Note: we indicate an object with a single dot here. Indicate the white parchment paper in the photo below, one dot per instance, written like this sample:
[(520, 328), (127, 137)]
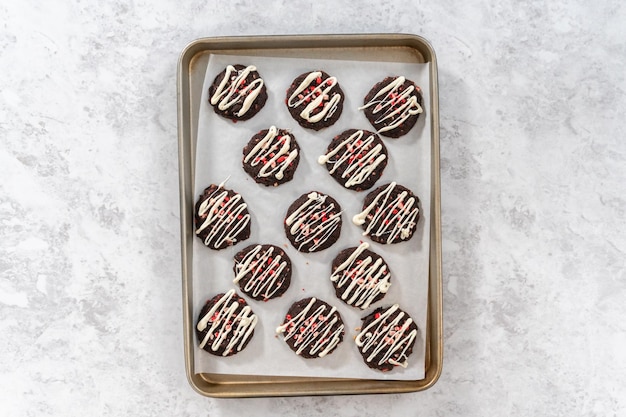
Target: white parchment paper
[(218, 156)]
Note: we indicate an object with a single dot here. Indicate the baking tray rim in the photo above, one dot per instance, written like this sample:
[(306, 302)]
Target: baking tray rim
[(226, 386)]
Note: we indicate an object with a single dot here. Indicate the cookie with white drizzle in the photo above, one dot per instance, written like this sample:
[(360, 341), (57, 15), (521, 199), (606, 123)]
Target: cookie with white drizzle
[(313, 222), (225, 325), (355, 159), (312, 328), (360, 276), (238, 92), (262, 272), (221, 217), (390, 214), (393, 106), (271, 156), (386, 338), (315, 100)]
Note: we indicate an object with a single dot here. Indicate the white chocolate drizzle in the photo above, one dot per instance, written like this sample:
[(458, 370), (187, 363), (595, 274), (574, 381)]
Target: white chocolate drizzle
[(387, 336), (273, 153), (359, 157), (313, 222), (394, 107), (224, 320), (233, 89), (265, 269), (315, 331), (361, 280), (224, 215), (315, 90), (393, 217)]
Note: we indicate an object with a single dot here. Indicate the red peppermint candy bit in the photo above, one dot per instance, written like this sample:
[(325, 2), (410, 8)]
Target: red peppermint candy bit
[(281, 159), (377, 315), (288, 316), (329, 81), (318, 80), (269, 260)]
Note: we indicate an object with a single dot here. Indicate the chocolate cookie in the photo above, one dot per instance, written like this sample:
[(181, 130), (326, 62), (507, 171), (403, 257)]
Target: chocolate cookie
[(356, 159), (393, 106), (386, 338), (222, 217), (238, 92), (272, 156), (390, 214), (315, 100), (312, 328), (225, 325), (313, 222), (360, 276), (262, 272)]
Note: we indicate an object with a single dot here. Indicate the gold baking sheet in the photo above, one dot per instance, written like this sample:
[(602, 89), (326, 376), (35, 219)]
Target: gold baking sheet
[(192, 66)]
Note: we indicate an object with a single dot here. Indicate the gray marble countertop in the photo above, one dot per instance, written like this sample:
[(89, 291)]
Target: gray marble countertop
[(533, 156)]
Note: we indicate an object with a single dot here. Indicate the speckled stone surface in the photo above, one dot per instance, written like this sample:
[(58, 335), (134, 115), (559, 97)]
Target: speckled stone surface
[(533, 155)]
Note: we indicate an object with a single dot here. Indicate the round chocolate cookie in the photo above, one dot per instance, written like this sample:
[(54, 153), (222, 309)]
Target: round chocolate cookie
[(313, 222), (315, 100), (356, 159), (225, 325), (360, 276), (271, 157), (262, 272), (222, 217), (393, 106), (238, 92), (312, 328), (386, 338), (390, 214)]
